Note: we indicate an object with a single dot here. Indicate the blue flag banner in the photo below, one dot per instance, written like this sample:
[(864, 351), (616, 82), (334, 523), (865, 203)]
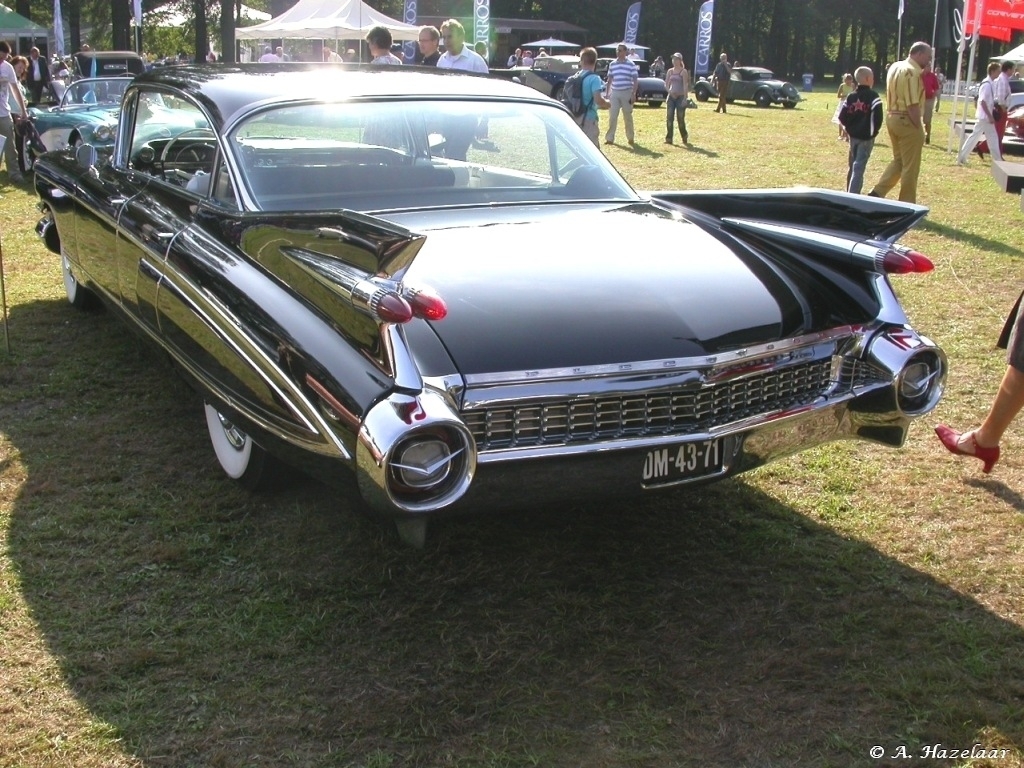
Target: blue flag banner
[(409, 17), (705, 18), (632, 24), (482, 22)]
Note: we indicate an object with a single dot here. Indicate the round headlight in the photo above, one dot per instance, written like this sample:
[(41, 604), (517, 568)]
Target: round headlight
[(103, 133)]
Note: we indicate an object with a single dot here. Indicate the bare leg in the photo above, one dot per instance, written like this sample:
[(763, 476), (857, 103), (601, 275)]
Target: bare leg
[(1007, 404)]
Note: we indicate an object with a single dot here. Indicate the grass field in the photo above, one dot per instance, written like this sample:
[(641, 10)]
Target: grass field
[(152, 614)]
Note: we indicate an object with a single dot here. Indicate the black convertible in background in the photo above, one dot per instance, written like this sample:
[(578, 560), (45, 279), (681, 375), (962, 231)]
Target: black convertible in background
[(358, 291), (755, 84)]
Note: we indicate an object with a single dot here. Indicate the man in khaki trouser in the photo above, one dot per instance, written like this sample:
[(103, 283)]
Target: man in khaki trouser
[(904, 97)]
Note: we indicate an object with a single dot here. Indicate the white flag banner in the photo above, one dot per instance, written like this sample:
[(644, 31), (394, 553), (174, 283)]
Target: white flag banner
[(899, 14), (58, 28), (138, 12)]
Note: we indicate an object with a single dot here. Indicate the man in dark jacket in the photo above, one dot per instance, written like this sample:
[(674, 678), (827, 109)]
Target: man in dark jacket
[(37, 77), (862, 116)]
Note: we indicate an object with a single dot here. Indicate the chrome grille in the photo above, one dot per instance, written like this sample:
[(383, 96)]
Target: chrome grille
[(687, 410)]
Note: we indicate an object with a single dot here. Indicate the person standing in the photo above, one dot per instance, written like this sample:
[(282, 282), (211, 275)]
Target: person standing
[(930, 81), (9, 85), (379, 41), (1001, 94), (592, 96), (862, 117), (37, 79), (622, 84), (904, 96), (268, 57), (848, 86), (722, 76), (983, 442), (429, 42), (677, 81), (515, 59), (457, 54), (984, 119)]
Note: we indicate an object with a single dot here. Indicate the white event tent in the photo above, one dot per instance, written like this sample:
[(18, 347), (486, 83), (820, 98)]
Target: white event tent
[(1016, 55), (326, 20)]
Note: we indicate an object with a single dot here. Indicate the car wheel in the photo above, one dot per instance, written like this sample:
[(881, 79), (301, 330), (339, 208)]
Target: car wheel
[(26, 157), (655, 104), (703, 94), (239, 456), (556, 93), (762, 99), (78, 296), (789, 105)]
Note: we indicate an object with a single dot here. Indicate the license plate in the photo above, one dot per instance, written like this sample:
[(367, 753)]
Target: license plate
[(686, 461)]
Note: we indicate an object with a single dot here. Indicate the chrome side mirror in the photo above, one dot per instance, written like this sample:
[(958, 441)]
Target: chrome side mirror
[(85, 155)]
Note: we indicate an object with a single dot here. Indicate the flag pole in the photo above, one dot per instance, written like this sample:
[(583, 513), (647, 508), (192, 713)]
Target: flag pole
[(899, 35), (3, 299)]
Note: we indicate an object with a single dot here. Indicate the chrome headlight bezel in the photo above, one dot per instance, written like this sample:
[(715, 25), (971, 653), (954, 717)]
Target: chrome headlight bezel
[(414, 455)]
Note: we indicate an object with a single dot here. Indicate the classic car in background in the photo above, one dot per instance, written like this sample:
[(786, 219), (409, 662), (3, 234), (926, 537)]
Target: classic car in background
[(87, 112), (1013, 139), (106, 64), (342, 276), (547, 74), (755, 84), (650, 90)]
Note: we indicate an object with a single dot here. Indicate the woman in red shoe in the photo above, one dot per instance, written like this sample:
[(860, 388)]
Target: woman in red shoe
[(983, 442)]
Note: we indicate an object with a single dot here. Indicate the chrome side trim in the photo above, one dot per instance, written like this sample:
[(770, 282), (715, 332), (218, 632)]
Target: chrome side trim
[(250, 351)]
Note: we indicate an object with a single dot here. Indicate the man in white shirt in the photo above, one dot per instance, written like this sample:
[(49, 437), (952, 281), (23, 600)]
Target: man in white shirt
[(9, 85), (268, 56), (1001, 94), (984, 125), (457, 54)]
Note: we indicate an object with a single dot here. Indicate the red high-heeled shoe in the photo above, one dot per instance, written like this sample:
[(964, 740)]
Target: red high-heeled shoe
[(951, 439)]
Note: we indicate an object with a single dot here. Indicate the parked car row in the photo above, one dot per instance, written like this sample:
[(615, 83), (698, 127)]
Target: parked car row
[(548, 74), (340, 272)]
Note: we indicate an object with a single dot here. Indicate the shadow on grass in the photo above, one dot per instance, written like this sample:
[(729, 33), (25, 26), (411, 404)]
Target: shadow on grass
[(982, 243), (1000, 490), (711, 627)]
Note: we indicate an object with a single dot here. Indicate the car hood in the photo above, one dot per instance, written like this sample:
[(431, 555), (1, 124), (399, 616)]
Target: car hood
[(593, 286), (79, 116)]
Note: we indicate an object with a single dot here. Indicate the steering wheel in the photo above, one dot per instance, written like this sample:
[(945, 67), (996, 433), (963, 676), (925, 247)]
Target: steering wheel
[(188, 155)]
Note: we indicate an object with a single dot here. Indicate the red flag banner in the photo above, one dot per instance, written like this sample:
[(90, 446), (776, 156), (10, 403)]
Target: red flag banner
[(997, 17)]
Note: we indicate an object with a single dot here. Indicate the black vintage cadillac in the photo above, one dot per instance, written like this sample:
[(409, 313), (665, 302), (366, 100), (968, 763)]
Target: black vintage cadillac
[(359, 288)]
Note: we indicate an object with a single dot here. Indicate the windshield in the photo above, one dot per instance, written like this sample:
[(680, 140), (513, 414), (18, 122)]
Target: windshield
[(103, 91), (377, 155)]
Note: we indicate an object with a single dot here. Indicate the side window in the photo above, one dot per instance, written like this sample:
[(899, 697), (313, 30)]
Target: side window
[(171, 139)]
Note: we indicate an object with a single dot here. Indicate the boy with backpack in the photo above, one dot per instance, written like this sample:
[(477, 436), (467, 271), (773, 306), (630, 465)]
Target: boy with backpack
[(583, 93)]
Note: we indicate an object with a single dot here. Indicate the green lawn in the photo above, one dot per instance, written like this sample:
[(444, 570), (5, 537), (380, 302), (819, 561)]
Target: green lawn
[(152, 614)]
